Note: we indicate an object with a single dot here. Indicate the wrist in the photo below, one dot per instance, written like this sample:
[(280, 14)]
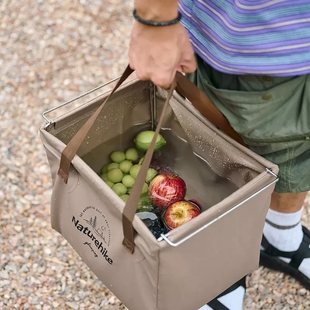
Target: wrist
[(159, 10), (156, 23)]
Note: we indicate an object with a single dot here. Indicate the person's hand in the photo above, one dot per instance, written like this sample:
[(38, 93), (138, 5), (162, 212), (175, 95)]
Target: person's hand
[(156, 53)]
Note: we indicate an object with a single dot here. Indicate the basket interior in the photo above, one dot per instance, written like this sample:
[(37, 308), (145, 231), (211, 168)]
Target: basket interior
[(211, 166)]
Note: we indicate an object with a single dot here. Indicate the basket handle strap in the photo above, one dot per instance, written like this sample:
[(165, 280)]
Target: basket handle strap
[(205, 106), (187, 89), (133, 199)]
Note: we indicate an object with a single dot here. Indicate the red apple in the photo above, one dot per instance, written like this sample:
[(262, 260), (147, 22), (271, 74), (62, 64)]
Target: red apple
[(166, 189), (180, 213)]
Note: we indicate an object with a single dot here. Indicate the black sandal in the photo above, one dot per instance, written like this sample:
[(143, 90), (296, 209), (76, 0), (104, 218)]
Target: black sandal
[(269, 257), (216, 304)]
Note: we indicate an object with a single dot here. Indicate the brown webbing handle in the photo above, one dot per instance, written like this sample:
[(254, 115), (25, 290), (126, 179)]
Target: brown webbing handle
[(205, 106), (187, 89), (133, 199)]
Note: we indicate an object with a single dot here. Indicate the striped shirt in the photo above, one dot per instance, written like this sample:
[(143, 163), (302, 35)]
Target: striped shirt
[(270, 37)]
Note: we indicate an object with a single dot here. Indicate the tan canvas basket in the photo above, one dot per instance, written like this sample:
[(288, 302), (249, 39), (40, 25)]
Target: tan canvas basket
[(192, 264)]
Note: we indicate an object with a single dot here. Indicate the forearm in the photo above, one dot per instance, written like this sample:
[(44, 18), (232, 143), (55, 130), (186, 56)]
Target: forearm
[(157, 10)]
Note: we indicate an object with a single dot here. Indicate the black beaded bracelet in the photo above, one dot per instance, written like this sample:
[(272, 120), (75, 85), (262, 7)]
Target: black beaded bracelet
[(154, 23)]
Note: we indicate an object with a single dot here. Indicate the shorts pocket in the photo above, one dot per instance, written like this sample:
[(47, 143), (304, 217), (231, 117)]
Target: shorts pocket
[(279, 115)]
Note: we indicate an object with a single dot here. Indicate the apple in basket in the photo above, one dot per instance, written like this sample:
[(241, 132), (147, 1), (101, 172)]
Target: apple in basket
[(166, 189), (180, 213)]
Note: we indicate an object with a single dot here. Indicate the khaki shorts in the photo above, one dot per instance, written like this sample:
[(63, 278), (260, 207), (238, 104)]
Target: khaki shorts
[(271, 114)]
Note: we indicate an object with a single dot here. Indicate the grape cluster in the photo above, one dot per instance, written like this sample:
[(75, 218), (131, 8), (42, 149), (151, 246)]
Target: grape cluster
[(121, 173), (157, 228)]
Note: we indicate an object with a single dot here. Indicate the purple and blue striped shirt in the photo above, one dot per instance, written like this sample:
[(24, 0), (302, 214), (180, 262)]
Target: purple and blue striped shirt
[(270, 37)]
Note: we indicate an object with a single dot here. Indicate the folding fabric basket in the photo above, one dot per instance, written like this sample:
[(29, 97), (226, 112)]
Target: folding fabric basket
[(190, 265)]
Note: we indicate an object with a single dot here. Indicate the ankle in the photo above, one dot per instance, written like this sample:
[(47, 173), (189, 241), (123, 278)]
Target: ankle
[(283, 230)]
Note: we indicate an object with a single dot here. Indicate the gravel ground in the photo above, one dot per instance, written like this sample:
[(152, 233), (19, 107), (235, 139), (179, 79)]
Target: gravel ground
[(51, 51)]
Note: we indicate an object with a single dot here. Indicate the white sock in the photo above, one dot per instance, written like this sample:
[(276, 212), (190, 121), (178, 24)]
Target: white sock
[(232, 300), (288, 237)]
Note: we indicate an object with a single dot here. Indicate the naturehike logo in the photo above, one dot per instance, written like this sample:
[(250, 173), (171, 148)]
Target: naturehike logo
[(96, 229), (89, 233)]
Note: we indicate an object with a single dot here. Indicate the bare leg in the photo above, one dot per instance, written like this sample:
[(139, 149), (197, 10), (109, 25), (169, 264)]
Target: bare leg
[(287, 202)]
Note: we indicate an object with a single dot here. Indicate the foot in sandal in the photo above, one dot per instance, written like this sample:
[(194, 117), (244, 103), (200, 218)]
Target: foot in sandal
[(286, 246)]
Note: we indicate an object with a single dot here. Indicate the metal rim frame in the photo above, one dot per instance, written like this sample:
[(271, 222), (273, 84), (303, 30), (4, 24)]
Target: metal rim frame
[(50, 122)]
